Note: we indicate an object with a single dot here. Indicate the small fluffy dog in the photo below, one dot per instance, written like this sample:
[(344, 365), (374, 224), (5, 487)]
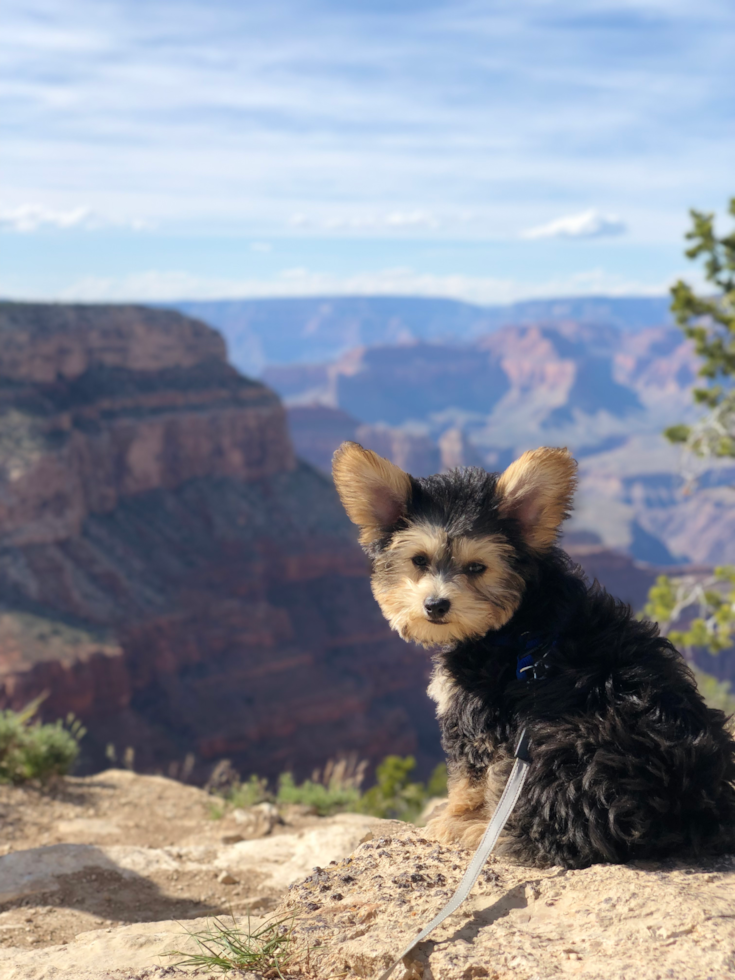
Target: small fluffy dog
[(627, 761)]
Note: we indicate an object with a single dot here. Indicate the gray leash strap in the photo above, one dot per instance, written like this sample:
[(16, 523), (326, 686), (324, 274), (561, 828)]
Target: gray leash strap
[(489, 839)]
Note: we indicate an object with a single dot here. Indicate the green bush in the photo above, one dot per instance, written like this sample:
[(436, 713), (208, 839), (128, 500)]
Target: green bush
[(336, 789), (332, 798), (31, 750), (395, 796), (255, 790)]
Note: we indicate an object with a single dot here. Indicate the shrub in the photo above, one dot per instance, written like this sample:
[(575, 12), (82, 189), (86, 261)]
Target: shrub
[(266, 948), (395, 796), (255, 790), (326, 800), (336, 789), (31, 750)]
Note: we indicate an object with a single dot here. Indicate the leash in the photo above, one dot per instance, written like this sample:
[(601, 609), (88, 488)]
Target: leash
[(503, 810), (526, 665)]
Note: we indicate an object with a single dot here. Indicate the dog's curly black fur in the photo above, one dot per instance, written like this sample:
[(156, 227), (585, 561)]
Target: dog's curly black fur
[(627, 761)]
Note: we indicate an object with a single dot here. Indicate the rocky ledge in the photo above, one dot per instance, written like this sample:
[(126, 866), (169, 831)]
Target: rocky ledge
[(100, 877), (636, 922)]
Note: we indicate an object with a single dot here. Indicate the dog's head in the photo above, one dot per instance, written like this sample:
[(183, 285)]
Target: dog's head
[(451, 552)]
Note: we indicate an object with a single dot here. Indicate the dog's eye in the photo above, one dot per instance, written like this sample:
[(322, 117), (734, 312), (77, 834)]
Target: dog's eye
[(475, 568), (420, 561)]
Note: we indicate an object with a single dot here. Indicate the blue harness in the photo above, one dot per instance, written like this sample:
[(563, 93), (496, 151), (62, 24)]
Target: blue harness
[(529, 664)]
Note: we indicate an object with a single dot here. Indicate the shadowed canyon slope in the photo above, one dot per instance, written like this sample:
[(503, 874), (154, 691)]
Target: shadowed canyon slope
[(169, 571)]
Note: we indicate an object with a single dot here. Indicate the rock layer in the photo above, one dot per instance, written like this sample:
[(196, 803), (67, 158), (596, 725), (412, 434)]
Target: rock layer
[(608, 922), (169, 571)]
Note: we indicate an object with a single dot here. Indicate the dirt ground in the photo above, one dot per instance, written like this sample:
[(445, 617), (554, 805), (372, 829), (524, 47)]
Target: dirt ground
[(120, 808)]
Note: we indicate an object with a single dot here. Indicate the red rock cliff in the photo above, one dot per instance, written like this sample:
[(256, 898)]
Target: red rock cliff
[(168, 570)]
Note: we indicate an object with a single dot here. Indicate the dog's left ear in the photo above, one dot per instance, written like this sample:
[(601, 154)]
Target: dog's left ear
[(537, 491), (373, 491)]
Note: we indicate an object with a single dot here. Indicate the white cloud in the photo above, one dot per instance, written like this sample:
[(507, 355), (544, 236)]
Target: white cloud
[(32, 217), (587, 224), (411, 219), (172, 285), (416, 218), (263, 247)]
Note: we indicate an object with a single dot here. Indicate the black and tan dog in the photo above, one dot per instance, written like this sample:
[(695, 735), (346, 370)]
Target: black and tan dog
[(626, 759)]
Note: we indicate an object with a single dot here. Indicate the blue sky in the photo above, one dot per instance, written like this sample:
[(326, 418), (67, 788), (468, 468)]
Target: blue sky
[(489, 151)]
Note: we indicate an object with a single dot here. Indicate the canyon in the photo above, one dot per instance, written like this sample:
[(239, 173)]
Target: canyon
[(604, 392), (175, 567), (170, 572)]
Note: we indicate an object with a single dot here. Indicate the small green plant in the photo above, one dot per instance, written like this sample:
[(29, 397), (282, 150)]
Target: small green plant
[(31, 750), (267, 948), (326, 800), (395, 796), (255, 790), (336, 789)]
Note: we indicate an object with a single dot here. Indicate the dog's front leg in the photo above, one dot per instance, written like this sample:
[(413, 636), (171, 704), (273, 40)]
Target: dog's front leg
[(472, 800)]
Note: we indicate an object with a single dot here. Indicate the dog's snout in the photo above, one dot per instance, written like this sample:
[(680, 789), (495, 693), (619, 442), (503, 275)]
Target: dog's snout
[(436, 608)]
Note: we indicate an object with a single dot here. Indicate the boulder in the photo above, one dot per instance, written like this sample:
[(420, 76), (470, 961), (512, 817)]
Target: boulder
[(609, 922)]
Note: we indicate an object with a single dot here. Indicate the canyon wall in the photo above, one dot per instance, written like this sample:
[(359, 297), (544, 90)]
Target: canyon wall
[(169, 571)]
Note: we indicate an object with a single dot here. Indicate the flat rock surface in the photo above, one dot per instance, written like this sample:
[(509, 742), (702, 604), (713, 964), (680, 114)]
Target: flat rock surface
[(143, 949), (97, 874), (652, 922), (100, 877)]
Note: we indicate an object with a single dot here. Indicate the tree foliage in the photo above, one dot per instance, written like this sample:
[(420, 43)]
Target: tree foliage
[(713, 599), (710, 322)]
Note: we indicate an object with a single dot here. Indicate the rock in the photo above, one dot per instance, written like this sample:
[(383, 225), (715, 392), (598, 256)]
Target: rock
[(39, 869), (255, 821), (49, 894), (652, 921), (104, 954), (284, 859), (277, 861)]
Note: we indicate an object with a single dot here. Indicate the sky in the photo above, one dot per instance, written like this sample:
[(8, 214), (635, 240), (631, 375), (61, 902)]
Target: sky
[(492, 151)]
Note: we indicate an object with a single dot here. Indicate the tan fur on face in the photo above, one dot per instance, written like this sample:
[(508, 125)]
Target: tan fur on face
[(537, 490), (373, 491), (478, 603)]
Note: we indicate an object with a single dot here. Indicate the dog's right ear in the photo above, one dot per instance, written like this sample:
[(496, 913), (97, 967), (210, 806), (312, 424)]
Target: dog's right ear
[(373, 491)]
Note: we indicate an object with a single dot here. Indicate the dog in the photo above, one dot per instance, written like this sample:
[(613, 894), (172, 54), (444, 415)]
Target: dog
[(627, 760)]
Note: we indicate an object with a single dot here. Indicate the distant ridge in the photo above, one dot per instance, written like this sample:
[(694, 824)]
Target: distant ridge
[(262, 332)]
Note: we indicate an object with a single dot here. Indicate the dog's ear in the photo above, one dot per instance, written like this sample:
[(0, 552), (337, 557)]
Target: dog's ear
[(373, 491), (537, 491)]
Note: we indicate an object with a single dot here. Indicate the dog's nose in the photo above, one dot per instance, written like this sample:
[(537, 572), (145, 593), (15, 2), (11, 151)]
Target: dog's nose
[(436, 608)]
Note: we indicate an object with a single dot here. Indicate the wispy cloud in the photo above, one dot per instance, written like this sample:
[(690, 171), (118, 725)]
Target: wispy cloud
[(26, 218), (379, 121), (243, 114), (587, 224), (31, 217), (410, 219)]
